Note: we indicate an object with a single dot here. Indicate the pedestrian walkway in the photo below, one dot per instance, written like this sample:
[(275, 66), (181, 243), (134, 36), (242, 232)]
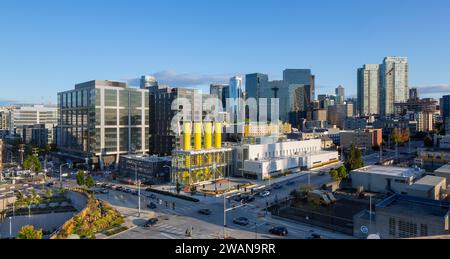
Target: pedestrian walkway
[(180, 210)]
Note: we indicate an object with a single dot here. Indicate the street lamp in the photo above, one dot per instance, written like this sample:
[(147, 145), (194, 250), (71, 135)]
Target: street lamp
[(138, 182), (10, 228)]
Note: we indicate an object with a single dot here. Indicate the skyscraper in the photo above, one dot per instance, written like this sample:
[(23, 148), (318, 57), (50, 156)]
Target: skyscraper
[(295, 92), (368, 89), (219, 91), (413, 94), (148, 82), (163, 140), (302, 77), (254, 85), (340, 93), (235, 92), (394, 83), (445, 111)]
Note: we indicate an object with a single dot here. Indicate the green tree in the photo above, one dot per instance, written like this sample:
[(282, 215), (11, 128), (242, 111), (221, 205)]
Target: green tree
[(428, 142), (48, 194), (28, 232), (81, 178), (334, 175), (32, 163), (342, 173), (89, 182), (354, 159)]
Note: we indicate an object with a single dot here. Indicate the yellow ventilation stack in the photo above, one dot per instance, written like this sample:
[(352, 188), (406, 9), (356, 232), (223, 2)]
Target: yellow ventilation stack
[(247, 130), (208, 135), (187, 136), (197, 136), (208, 146), (218, 135)]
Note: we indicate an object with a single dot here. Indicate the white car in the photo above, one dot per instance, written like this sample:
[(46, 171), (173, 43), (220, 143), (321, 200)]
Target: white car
[(265, 194)]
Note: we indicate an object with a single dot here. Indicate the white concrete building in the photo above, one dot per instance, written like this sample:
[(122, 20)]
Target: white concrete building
[(268, 160)]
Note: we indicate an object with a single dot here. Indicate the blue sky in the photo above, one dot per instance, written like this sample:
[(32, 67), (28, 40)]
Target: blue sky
[(47, 46)]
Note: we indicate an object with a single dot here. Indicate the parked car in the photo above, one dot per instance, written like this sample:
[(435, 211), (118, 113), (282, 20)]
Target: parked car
[(206, 212), (248, 199), (151, 222), (152, 206), (151, 196), (243, 221), (119, 188), (104, 191), (238, 198), (279, 231), (265, 194), (322, 173)]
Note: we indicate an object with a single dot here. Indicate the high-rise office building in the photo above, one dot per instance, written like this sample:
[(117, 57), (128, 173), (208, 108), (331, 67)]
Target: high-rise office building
[(413, 94), (394, 74), (31, 115), (23, 118), (254, 87), (340, 94), (445, 111), (163, 140), (369, 89), (305, 78), (220, 91), (101, 120), (296, 93), (235, 92), (148, 82), (5, 119), (338, 113)]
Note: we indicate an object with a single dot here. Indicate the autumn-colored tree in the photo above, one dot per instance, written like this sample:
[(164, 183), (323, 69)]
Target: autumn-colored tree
[(28, 232)]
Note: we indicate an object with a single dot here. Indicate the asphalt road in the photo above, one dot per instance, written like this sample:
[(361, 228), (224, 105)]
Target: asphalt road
[(173, 223)]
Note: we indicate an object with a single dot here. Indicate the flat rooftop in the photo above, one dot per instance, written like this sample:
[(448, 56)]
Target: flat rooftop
[(444, 169), (390, 171), (147, 158), (415, 206), (430, 180), (271, 159)]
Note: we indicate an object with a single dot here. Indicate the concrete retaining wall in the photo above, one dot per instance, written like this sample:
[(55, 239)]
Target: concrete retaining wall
[(48, 222)]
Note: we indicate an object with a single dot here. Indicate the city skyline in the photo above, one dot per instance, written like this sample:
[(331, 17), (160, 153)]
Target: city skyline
[(57, 49)]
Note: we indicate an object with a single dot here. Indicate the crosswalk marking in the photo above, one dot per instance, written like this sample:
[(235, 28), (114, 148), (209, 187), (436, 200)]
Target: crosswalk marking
[(168, 236)]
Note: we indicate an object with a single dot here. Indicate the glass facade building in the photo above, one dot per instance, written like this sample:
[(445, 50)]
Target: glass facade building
[(394, 74), (369, 89), (101, 120)]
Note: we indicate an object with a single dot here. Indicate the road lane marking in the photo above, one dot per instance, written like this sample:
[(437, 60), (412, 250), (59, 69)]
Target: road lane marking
[(168, 236)]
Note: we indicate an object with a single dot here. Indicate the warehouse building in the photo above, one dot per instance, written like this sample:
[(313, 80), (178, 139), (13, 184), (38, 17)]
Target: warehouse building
[(405, 181)]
